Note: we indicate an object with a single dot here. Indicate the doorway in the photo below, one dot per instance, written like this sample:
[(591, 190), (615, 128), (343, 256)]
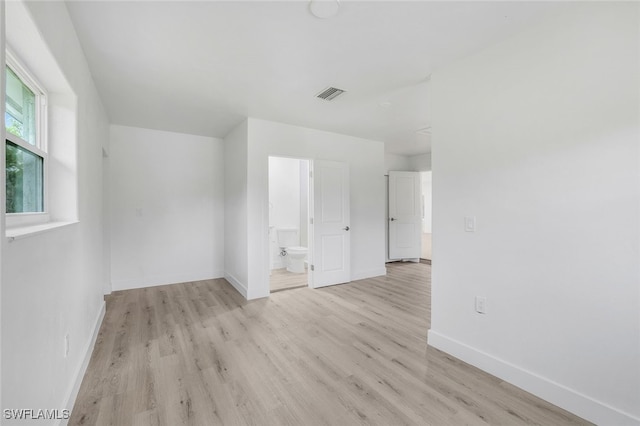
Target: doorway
[(289, 230), (309, 230), (425, 178)]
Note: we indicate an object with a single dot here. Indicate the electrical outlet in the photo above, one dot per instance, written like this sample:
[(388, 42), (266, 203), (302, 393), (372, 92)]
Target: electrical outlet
[(481, 304)]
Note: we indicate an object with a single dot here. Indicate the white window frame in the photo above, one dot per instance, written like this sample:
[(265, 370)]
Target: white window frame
[(40, 148)]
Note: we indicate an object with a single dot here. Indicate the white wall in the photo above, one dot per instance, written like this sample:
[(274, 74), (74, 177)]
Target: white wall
[(366, 160), (52, 282), (407, 163), (538, 138), (235, 208), (420, 163), (396, 162), (167, 207)]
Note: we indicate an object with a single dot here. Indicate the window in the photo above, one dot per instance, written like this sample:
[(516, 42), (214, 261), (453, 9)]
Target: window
[(41, 142), (26, 155)]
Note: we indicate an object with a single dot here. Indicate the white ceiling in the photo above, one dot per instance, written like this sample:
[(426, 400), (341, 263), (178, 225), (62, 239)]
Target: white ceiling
[(202, 67)]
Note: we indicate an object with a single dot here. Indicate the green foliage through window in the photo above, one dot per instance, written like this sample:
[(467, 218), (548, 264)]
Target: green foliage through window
[(24, 167), (24, 175)]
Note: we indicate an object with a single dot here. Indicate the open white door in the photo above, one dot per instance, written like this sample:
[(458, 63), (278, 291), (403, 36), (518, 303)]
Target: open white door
[(404, 215), (331, 262)]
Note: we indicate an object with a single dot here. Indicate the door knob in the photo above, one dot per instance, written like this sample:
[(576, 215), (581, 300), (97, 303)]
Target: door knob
[(346, 228), (392, 219)]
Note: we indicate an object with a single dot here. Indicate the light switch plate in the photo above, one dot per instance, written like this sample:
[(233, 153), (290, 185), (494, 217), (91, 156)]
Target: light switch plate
[(470, 223)]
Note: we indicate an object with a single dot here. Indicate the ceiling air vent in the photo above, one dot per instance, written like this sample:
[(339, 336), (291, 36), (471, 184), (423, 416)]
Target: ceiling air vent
[(330, 93)]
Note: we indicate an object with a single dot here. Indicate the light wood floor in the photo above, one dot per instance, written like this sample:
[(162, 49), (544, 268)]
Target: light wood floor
[(354, 354), (281, 279)]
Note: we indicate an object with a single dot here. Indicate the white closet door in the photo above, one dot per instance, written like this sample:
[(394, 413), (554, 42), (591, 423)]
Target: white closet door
[(404, 215), (331, 224)]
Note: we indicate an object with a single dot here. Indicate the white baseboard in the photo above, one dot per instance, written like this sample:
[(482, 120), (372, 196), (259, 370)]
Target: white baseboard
[(361, 275), (411, 259), (82, 368), (556, 393), (240, 288), (156, 280)]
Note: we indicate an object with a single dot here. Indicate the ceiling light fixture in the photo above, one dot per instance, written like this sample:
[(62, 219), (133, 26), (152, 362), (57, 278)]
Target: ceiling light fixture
[(324, 9), (424, 131)]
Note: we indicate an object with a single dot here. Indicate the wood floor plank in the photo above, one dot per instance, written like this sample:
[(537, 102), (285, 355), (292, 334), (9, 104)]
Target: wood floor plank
[(198, 354), (281, 279)]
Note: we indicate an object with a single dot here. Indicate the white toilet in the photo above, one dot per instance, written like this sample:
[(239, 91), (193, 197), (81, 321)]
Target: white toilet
[(288, 241)]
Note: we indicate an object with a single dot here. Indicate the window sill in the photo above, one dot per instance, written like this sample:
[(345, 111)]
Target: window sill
[(21, 232)]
